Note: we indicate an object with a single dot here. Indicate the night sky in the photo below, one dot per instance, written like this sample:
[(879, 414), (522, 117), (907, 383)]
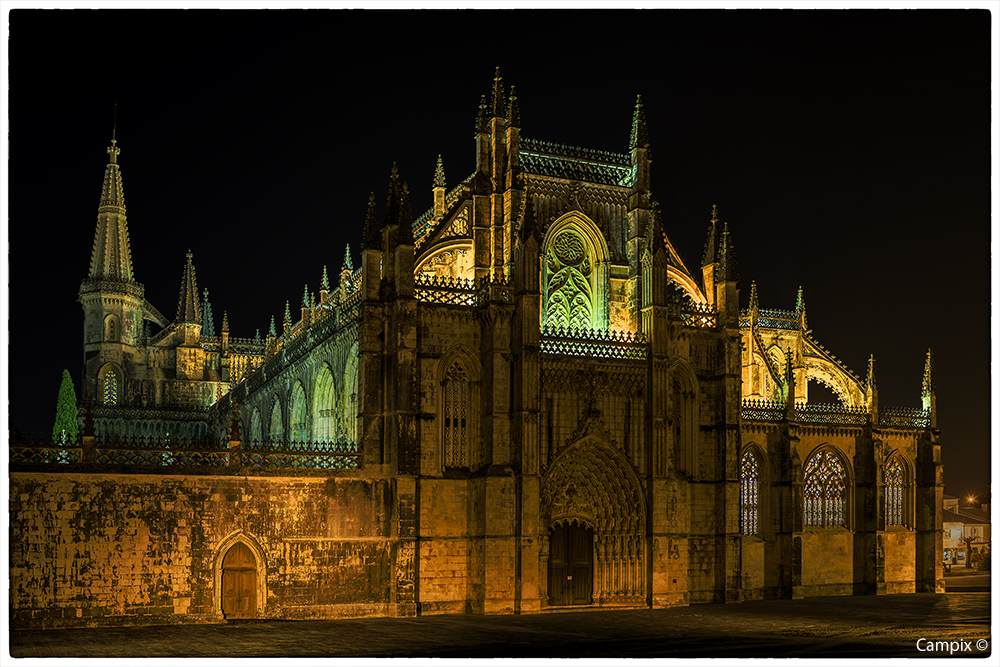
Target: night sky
[(849, 151)]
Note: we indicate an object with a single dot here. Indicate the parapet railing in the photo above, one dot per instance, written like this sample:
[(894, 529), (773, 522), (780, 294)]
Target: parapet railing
[(461, 291), (692, 314), (759, 410), (164, 455), (594, 343), (444, 290)]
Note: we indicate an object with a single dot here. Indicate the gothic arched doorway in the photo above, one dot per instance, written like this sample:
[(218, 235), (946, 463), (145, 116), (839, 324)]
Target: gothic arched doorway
[(571, 565), (239, 582)]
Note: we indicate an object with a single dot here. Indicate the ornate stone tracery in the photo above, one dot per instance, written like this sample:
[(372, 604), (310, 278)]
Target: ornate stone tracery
[(592, 483)]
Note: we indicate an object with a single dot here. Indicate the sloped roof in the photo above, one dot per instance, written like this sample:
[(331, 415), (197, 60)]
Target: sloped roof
[(545, 158)]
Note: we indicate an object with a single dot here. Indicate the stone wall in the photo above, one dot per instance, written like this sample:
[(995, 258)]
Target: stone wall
[(101, 549)]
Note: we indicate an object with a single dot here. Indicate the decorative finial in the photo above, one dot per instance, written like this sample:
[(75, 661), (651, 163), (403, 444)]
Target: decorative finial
[(348, 263), (715, 212), (113, 151), (272, 332), (225, 322), (753, 296), (439, 174), (305, 296), (324, 281)]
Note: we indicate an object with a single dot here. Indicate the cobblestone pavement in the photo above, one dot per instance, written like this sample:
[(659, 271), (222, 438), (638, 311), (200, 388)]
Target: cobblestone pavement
[(833, 627)]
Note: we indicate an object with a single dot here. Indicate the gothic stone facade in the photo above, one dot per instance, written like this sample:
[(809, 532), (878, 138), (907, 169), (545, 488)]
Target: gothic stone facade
[(521, 400)]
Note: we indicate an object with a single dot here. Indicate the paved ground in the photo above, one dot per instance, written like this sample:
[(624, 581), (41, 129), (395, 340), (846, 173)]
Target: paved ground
[(835, 627)]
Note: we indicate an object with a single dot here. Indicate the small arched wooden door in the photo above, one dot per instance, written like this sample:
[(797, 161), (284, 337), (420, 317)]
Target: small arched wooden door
[(239, 583)]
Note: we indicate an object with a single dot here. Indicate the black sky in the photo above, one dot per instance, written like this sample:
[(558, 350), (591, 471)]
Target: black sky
[(849, 151)]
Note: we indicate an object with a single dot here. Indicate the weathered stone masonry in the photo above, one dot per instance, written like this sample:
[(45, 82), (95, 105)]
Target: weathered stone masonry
[(520, 401)]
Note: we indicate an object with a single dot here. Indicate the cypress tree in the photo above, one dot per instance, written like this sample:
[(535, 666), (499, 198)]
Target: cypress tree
[(66, 415)]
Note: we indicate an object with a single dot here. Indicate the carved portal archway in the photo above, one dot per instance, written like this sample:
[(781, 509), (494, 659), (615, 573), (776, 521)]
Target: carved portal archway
[(592, 484)]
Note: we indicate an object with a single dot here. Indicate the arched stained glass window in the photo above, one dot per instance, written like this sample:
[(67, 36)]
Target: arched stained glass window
[(570, 301), (456, 416), (894, 488), (110, 389), (749, 484), (824, 490)]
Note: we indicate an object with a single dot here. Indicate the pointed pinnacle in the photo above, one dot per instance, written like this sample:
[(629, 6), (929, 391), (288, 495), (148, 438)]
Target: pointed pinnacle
[(529, 225), (499, 110), (271, 330), (370, 238), (188, 307), (482, 126), (753, 296), (711, 255), (405, 234), (225, 321), (439, 173), (800, 302), (640, 136), (324, 281), (392, 199), (871, 371), (657, 231), (305, 296), (348, 263), (513, 111), (929, 382)]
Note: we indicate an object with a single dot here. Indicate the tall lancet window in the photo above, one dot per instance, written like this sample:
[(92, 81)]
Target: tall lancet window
[(749, 484), (825, 490), (894, 493), (456, 416), (570, 298), (109, 392)]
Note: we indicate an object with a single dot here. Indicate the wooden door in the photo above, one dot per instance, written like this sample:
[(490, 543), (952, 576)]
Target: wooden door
[(239, 579), (571, 565)]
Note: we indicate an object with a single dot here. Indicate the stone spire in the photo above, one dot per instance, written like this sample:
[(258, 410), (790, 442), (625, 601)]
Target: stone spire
[(305, 296), (271, 331), (640, 135), (711, 239), (405, 234), (438, 189), (207, 322), (928, 390), (800, 309), (324, 281), (439, 174), (871, 389), (499, 107), (348, 263), (370, 238), (188, 310), (225, 321), (513, 111), (393, 199), (482, 126), (655, 242), (753, 296), (727, 259), (529, 225), (287, 325), (111, 258)]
